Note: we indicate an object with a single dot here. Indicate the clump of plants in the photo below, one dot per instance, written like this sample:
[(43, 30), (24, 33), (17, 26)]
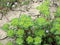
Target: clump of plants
[(27, 31), (40, 31), (44, 8)]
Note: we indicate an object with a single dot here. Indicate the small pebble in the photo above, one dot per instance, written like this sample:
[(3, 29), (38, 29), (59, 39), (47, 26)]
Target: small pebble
[(15, 3), (47, 31), (13, 6)]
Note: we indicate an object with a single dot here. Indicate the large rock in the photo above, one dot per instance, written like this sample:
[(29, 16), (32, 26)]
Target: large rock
[(3, 34)]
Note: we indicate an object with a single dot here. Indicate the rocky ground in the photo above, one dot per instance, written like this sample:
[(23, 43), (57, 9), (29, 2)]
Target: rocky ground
[(29, 9)]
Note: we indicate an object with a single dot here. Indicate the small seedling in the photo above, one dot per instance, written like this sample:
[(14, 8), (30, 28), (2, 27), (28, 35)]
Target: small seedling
[(29, 40), (39, 33), (37, 40), (19, 41), (10, 33), (41, 22), (44, 8), (14, 22), (20, 33), (5, 27)]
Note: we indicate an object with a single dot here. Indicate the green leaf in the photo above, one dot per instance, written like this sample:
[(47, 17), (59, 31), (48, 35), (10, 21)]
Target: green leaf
[(29, 40), (10, 33), (39, 33), (57, 20), (58, 40), (19, 41), (53, 30), (44, 8), (47, 2), (50, 40), (5, 27), (25, 21), (20, 33), (41, 21), (56, 26), (37, 40), (14, 22)]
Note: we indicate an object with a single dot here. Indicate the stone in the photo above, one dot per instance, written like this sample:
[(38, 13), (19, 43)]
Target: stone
[(47, 31), (3, 34), (33, 17)]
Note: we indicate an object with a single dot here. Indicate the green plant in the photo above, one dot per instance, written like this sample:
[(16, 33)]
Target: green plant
[(19, 41), (20, 33), (39, 33), (41, 21), (58, 12), (47, 2), (14, 22), (9, 43), (50, 40), (56, 29), (56, 26), (37, 40), (26, 31), (44, 8), (5, 27), (24, 20), (10, 33), (58, 40), (29, 40)]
